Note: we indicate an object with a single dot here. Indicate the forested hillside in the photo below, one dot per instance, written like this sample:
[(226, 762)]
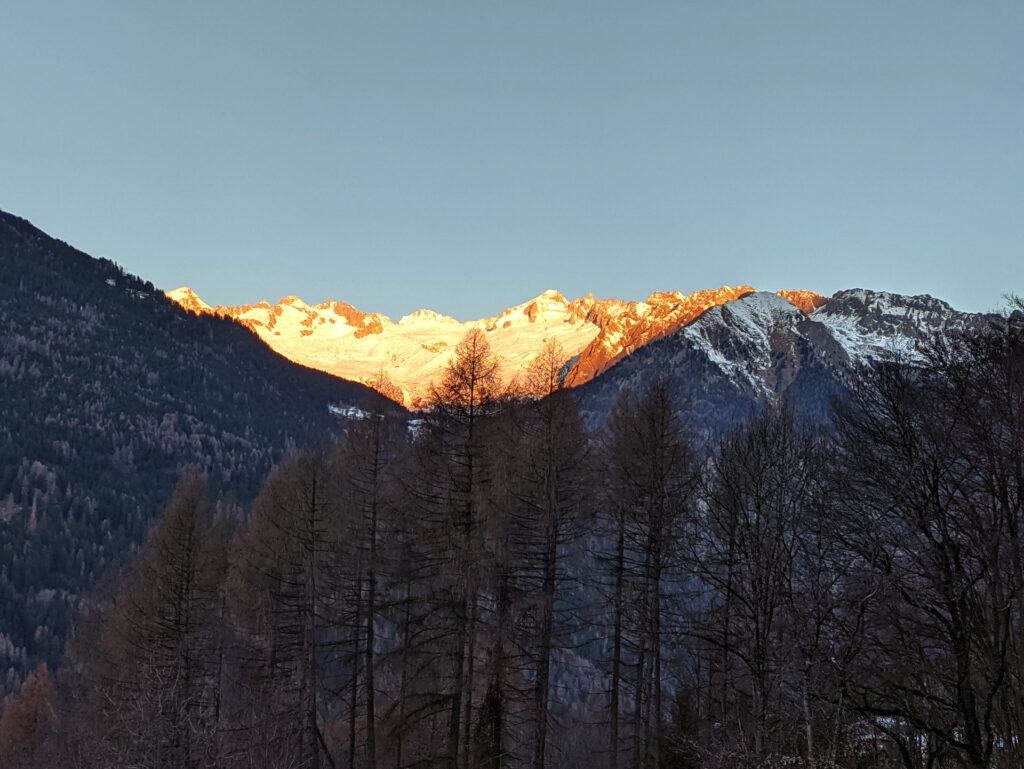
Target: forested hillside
[(107, 392), (503, 588)]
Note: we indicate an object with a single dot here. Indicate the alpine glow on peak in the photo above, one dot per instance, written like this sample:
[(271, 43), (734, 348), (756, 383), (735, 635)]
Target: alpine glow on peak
[(412, 352)]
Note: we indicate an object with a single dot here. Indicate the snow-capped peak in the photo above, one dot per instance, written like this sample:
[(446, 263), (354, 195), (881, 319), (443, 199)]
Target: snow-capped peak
[(553, 295), (425, 316), (189, 299), (758, 309), (343, 340), (873, 324)]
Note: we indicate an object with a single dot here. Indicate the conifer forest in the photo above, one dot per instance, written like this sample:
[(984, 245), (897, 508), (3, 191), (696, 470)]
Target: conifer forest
[(490, 584)]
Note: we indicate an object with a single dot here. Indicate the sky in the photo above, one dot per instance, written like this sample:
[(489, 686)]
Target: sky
[(466, 156)]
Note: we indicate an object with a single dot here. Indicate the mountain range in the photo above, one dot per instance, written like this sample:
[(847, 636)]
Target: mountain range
[(411, 352), (108, 389), (727, 351)]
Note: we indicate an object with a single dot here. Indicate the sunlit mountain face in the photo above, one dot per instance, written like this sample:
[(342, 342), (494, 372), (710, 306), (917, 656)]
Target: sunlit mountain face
[(403, 357)]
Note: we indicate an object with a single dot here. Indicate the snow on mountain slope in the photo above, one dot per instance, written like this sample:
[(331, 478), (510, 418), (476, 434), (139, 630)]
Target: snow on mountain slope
[(638, 324), (727, 363), (412, 352), (739, 356), (188, 299), (873, 325), (730, 349)]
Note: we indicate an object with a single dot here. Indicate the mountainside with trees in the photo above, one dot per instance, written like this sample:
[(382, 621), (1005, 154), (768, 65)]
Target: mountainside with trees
[(108, 390), (503, 588), (777, 537)]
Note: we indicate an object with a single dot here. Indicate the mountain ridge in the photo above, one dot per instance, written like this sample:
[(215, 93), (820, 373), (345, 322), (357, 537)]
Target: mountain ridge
[(595, 334), (740, 356), (108, 390)]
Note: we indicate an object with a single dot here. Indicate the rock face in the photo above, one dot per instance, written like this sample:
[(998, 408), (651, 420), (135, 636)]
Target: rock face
[(761, 348), (808, 301), (873, 324), (595, 333), (630, 328)]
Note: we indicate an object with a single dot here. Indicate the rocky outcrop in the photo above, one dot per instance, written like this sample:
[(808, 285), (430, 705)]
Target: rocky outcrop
[(625, 330)]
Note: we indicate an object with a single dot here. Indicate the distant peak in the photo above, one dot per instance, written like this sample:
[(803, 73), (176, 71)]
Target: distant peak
[(553, 295), (753, 309), (182, 292), (188, 299), (858, 299), (424, 314), (807, 301)]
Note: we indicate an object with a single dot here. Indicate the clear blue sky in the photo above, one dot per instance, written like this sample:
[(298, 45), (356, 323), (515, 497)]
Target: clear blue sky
[(467, 156)]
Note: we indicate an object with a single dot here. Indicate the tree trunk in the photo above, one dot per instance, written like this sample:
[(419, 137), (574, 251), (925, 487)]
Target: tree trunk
[(620, 568)]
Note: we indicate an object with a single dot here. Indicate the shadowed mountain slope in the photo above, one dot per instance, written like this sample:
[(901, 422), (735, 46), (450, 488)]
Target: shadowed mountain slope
[(737, 357), (107, 391)]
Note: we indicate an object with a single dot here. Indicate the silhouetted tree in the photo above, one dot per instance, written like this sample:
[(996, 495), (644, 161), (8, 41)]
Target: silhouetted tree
[(547, 465), (453, 469), (290, 580), (763, 496), (932, 454), (151, 677), (26, 721), (652, 476)]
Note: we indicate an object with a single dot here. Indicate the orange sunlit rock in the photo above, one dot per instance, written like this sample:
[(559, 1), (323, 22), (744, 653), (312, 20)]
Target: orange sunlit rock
[(807, 301), (411, 353)]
